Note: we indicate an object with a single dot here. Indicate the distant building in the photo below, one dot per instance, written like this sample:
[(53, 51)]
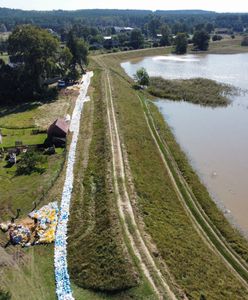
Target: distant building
[(3, 28), (123, 29), (107, 38), (109, 42), (95, 46), (54, 33), (222, 31)]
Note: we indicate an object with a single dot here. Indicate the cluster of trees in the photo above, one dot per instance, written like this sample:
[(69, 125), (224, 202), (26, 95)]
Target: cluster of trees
[(37, 56), (30, 162), (200, 42), (151, 28)]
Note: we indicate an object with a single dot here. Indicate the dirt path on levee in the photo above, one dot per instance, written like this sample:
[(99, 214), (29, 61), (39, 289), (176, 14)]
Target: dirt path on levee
[(141, 251)]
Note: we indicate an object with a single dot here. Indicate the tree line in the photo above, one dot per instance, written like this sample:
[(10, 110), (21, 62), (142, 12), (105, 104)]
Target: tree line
[(177, 20)]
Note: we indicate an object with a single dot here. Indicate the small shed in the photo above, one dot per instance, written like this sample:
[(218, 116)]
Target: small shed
[(57, 133), (58, 129)]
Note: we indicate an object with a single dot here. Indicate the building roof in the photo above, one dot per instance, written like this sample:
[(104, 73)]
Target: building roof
[(221, 29), (106, 38), (61, 125)]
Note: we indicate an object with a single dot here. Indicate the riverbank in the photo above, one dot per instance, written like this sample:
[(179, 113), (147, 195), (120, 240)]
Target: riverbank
[(225, 46), (149, 181)]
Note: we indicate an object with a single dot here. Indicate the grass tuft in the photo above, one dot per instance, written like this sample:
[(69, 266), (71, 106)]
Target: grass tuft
[(197, 90)]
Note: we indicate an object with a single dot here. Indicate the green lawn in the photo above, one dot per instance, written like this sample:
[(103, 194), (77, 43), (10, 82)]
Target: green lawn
[(19, 116), (10, 136), (22, 191), (32, 276)]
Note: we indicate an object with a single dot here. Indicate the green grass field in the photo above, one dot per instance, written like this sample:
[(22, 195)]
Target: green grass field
[(10, 136), (18, 116), (22, 191)]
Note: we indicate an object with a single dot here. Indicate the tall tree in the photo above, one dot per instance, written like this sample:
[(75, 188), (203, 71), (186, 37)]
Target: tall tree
[(165, 31), (201, 40), (79, 50), (154, 25), (137, 39), (181, 43), (209, 27), (36, 52), (142, 77)]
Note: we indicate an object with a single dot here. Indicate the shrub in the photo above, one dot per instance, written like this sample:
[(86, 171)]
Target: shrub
[(4, 295), (30, 162), (142, 77), (201, 40), (216, 37), (181, 43), (245, 41)]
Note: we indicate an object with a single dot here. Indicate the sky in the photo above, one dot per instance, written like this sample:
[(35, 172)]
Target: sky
[(213, 5)]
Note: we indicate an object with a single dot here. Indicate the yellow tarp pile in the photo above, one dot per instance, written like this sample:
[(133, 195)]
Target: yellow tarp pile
[(39, 228), (47, 220)]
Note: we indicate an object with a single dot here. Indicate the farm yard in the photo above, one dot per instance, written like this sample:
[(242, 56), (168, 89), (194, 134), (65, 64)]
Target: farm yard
[(25, 127)]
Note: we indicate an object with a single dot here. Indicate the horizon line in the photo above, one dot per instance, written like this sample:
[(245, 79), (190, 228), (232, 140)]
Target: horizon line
[(125, 9)]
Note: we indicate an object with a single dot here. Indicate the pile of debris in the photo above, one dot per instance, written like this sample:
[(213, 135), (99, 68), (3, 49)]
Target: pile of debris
[(38, 228), (46, 219)]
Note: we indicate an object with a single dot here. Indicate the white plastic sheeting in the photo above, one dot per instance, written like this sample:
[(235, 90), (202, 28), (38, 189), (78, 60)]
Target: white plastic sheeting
[(63, 287)]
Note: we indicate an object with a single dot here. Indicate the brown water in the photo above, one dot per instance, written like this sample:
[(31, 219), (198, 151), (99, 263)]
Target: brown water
[(215, 139)]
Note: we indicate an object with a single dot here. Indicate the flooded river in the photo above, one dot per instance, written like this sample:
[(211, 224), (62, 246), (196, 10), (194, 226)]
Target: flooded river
[(214, 139)]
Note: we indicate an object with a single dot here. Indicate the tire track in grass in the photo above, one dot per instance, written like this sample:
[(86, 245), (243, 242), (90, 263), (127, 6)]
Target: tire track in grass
[(197, 216), (124, 203)]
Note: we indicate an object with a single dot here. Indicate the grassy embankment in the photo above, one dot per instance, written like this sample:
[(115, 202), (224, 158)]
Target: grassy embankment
[(197, 90), (227, 46), (28, 273), (99, 256), (196, 268), (237, 242)]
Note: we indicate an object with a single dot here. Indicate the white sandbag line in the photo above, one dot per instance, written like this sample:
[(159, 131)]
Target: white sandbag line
[(63, 286)]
